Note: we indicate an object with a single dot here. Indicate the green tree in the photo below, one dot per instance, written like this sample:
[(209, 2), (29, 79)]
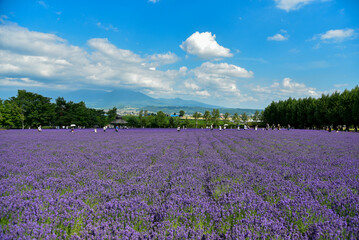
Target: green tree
[(181, 113), (244, 117), (177, 122), (196, 115), (207, 117), (10, 114), (335, 109), (111, 114), (161, 119), (80, 114), (235, 118), (256, 116), (62, 115), (226, 117), (36, 109), (133, 121), (215, 116), (355, 106), (186, 122), (171, 122)]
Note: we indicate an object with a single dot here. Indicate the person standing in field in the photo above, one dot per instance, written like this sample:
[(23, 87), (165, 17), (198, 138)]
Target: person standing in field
[(39, 129), (116, 128)]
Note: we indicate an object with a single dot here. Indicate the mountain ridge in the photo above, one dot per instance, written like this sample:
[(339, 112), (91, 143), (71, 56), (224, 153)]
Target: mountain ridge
[(124, 97)]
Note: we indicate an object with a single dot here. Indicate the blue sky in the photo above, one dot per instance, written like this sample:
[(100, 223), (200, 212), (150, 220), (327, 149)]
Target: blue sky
[(231, 53)]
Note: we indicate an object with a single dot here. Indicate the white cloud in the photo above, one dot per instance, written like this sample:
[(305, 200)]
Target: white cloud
[(153, 1), (42, 60), (163, 59), (3, 18), (42, 3), (337, 35), (48, 59), (204, 45), (203, 93), (277, 37), (107, 49), (340, 85), (220, 79), (289, 5), (191, 85), (26, 82), (287, 88), (107, 27), (221, 70)]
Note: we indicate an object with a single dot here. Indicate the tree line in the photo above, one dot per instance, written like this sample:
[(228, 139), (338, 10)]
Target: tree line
[(29, 109), (336, 109), (198, 120)]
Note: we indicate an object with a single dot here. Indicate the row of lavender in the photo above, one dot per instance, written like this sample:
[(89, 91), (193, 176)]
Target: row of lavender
[(193, 184)]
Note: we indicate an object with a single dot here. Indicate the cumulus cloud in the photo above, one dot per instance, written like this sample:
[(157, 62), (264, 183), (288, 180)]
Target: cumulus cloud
[(337, 35), (107, 49), (287, 88), (221, 78), (42, 60), (163, 59), (277, 37), (50, 60), (204, 45), (289, 5), (220, 70), (191, 85), (26, 82), (203, 93)]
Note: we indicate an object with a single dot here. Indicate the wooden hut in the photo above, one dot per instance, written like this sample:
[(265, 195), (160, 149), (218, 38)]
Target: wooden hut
[(117, 122)]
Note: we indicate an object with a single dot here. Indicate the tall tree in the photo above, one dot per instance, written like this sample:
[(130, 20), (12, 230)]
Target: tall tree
[(181, 113), (244, 117), (226, 117), (62, 115), (36, 109), (235, 118), (335, 109), (196, 115), (111, 114), (161, 119), (207, 117), (215, 116), (256, 116), (10, 114)]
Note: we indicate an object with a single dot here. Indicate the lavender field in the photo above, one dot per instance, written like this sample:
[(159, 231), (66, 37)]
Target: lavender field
[(193, 184)]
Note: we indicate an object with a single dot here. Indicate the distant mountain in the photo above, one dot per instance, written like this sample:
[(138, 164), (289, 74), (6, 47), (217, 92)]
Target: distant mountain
[(190, 110), (124, 97), (121, 98)]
